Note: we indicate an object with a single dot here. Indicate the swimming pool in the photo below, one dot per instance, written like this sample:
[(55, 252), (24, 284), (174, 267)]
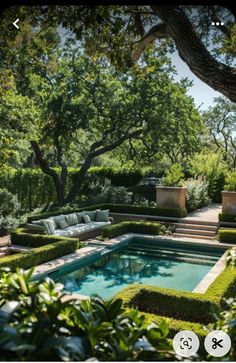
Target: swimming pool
[(175, 266)]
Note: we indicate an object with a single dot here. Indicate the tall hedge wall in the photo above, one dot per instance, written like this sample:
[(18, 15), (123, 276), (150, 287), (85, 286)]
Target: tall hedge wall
[(35, 189)]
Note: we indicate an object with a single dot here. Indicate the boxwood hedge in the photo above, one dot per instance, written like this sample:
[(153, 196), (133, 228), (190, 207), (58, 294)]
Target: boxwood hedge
[(39, 255), (181, 305), (118, 208), (21, 237), (227, 217), (227, 235), (135, 227)]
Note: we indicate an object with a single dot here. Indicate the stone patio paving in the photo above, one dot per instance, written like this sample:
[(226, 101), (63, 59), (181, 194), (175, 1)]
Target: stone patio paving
[(207, 214)]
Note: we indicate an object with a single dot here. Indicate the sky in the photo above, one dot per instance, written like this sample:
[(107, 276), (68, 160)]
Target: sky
[(200, 91)]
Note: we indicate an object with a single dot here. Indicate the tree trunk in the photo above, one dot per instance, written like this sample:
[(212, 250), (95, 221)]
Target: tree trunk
[(191, 49), (60, 187)]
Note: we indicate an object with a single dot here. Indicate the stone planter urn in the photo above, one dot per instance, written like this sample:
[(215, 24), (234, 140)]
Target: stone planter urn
[(228, 202), (171, 197)]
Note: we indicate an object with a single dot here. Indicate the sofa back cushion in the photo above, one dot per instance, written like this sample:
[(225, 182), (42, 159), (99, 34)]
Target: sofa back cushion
[(59, 218), (36, 228), (102, 215), (71, 219), (62, 224), (49, 225), (80, 216), (86, 218), (91, 214)]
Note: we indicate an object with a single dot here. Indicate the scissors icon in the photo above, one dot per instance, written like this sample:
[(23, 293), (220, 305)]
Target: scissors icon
[(217, 343), (185, 343)]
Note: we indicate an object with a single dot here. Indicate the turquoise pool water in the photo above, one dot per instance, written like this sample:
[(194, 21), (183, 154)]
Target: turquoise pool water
[(175, 268)]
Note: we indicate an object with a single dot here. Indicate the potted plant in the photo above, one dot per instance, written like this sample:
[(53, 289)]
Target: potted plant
[(172, 194), (229, 194)]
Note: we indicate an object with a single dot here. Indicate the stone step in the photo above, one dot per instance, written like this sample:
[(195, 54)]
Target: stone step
[(195, 232), (199, 222), (196, 226), (185, 235)]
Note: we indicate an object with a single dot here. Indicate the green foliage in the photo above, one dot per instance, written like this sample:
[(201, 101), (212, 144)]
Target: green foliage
[(197, 193), (116, 208), (39, 255), (226, 217), (208, 165), (227, 235), (231, 258), (187, 306), (230, 181), (171, 303), (174, 176), (9, 211), (36, 324), (131, 227), (21, 237), (226, 321)]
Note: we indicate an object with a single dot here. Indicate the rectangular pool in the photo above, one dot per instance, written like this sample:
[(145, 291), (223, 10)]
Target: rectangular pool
[(169, 265)]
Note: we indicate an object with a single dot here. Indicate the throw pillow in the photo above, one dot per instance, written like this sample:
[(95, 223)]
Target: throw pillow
[(36, 228), (71, 219), (56, 219), (62, 224), (49, 225), (102, 215), (86, 218), (91, 214), (80, 216)]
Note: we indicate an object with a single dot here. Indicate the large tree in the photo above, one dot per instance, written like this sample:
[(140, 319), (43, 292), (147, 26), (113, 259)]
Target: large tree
[(221, 122), (125, 32), (63, 101)]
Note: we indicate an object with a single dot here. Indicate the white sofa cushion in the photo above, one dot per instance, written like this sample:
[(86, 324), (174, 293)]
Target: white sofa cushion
[(76, 230)]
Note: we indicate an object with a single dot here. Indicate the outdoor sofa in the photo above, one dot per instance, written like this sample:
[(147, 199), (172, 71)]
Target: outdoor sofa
[(85, 224)]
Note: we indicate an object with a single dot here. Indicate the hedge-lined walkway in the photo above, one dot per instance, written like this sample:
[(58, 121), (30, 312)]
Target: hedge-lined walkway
[(206, 214)]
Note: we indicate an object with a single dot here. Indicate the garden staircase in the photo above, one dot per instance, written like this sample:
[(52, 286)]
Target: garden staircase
[(196, 229)]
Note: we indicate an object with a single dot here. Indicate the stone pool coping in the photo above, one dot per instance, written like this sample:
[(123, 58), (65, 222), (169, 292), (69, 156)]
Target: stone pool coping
[(98, 248)]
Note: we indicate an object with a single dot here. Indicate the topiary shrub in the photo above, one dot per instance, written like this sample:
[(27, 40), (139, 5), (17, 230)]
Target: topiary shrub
[(131, 227)]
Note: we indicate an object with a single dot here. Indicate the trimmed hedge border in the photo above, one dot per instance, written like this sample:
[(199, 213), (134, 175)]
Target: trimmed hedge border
[(181, 305), (118, 208), (226, 217), (39, 255), (129, 227), (21, 237), (227, 235)]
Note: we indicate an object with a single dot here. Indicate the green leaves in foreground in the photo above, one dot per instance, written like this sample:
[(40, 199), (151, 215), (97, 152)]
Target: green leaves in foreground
[(37, 323)]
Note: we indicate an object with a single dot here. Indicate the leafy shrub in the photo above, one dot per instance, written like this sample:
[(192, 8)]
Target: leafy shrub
[(227, 235), (9, 211), (38, 325), (230, 181), (8, 203), (131, 227), (197, 193), (174, 176), (40, 255), (211, 166)]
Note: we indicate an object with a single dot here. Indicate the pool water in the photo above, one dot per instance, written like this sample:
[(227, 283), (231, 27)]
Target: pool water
[(175, 268)]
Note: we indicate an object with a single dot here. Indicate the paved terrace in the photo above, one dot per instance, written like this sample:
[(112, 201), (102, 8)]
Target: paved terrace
[(206, 214)]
